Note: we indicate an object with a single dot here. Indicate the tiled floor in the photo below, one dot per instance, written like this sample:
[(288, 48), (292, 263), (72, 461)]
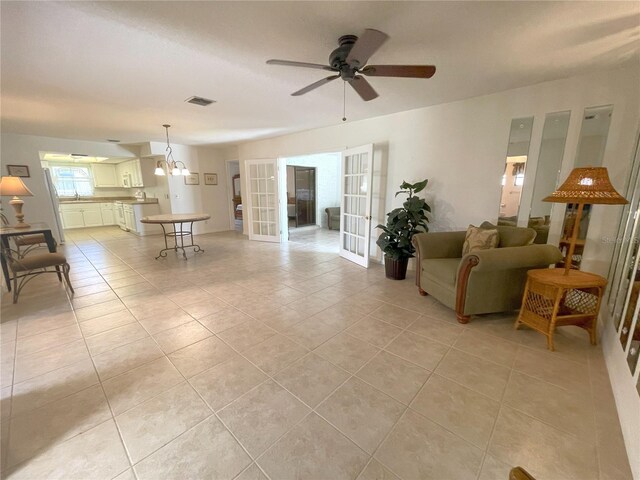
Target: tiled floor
[(257, 360)]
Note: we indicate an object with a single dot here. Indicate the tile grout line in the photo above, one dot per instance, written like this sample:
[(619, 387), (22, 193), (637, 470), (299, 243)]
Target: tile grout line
[(104, 393), (495, 422)]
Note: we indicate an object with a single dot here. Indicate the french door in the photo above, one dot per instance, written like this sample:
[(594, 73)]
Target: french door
[(355, 211), (262, 200)]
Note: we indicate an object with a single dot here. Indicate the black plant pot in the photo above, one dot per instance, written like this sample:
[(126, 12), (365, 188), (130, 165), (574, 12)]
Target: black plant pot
[(395, 269)]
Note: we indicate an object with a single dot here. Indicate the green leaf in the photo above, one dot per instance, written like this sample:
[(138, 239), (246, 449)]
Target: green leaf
[(418, 187)]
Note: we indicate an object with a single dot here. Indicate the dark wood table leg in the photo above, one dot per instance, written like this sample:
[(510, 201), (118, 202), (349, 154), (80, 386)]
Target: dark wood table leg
[(51, 242), (5, 268), (51, 245)]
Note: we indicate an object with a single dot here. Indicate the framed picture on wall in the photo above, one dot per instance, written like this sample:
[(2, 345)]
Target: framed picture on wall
[(192, 179), (210, 178), (18, 170)]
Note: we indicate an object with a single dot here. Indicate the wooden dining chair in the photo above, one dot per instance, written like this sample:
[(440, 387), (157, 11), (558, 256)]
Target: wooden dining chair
[(23, 269)]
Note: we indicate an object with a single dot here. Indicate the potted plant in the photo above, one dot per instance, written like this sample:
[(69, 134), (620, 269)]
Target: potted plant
[(402, 224)]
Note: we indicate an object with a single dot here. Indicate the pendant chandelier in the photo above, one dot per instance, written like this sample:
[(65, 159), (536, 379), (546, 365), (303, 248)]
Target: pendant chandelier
[(173, 167)]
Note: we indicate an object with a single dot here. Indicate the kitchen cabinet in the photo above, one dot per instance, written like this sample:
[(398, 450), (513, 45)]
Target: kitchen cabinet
[(92, 216), (136, 174), (108, 216), (125, 214), (133, 213), (133, 172), (71, 218), (104, 175), (118, 208), (81, 215), (129, 218)]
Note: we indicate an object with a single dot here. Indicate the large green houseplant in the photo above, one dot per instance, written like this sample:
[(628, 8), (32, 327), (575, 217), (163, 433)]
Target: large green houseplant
[(402, 224)]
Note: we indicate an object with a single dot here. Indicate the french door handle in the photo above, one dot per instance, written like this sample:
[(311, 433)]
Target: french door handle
[(367, 217)]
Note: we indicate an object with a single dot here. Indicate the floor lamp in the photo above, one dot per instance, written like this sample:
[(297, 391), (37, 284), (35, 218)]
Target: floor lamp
[(589, 185)]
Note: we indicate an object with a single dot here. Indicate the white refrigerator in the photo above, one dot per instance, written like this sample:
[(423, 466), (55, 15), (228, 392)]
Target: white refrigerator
[(53, 195)]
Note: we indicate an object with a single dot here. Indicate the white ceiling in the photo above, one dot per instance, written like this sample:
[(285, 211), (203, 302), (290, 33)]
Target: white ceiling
[(120, 70)]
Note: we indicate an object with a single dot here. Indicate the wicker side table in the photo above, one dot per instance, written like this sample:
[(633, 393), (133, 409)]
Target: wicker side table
[(553, 299)]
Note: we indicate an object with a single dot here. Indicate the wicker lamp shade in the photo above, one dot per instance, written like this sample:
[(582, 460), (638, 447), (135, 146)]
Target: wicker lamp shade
[(590, 185)]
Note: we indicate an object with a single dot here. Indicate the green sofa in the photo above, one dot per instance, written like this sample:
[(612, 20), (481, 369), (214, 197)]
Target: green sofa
[(484, 281), (333, 218)]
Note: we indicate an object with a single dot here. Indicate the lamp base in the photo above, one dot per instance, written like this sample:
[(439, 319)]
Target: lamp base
[(17, 204)]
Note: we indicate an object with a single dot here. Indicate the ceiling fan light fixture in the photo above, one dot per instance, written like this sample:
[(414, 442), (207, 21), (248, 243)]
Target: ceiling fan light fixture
[(351, 58)]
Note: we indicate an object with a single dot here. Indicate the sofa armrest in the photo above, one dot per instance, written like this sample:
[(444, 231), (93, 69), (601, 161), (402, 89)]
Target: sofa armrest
[(438, 244), (508, 258)]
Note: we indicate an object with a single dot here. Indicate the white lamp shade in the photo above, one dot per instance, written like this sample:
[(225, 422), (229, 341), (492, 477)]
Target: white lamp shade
[(185, 171), (14, 186)]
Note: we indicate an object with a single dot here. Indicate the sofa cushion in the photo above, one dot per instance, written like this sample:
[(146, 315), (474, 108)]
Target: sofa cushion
[(443, 270), (480, 239), (512, 236)]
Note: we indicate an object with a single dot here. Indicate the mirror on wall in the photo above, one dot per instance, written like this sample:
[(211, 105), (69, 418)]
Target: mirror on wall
[(514, 168), (591, 146), (554, 137)]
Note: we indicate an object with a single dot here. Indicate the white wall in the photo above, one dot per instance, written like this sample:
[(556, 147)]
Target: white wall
[(461, 147), (327, 167), (211, 199)]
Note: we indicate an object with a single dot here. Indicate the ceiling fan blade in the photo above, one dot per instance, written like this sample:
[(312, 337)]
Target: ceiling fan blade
[(411, 71), (366, 45), (315, 85), (289, 63), (364, 88)]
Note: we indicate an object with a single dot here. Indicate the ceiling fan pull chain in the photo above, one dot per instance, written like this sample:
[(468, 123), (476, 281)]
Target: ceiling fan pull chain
[(344, 101)]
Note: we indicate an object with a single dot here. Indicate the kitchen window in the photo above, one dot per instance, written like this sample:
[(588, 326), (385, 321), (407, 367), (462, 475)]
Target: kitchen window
[(70, 180)]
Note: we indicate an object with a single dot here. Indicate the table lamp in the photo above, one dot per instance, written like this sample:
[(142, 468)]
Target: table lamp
[(12, 187), (588, 185)]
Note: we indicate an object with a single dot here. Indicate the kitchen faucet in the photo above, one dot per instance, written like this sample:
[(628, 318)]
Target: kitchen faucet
[(77, 195)]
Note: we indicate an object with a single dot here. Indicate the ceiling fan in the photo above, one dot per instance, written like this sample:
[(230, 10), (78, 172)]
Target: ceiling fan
[(350, 59)]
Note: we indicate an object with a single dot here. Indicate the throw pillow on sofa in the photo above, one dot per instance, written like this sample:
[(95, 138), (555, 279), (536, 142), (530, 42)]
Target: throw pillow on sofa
[(478, 238)]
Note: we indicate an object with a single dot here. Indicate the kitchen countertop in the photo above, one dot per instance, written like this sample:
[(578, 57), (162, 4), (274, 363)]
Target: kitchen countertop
[(108, 200), (139, 202)]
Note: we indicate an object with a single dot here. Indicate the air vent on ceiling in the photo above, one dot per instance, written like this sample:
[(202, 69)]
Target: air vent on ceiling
[(79, 155), (112, 140), (203, 102)]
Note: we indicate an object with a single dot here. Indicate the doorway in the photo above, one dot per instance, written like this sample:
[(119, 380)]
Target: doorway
[(235, 192), (301, 196), (312, 185)]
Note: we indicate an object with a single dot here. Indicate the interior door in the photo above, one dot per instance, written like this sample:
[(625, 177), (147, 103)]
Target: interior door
[(262, 200), (355, 212), (305, 182)]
